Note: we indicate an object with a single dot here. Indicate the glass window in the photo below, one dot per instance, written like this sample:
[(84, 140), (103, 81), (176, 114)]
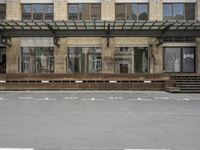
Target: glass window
[(142, 12), (189, 11), (2, 60), (84, 13), (178, 11), (37, 60), (120, 12), (167, 11), (172, 59), (131, 60), (95, 11), (188, 60), (73, 12), (27, 12), (2, 11), (38, 10), (48, 10), (84, 60)]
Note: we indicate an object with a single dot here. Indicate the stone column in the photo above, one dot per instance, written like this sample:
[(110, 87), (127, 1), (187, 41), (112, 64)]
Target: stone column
[(197, 10), (155, 56), (107, 56), (13, 10), (60, 10), (155, 9), (108, 10), (198, 55), (13, 56), (60, 54)]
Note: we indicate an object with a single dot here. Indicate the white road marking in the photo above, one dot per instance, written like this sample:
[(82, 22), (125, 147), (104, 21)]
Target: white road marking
[(70, 98), (92, 99), (162, 98), (182, 99), (45, 99), (25, 97), (140, 99), (147, 149), (16, 149)]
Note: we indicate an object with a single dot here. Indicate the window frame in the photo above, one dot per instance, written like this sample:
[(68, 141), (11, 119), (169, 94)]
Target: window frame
[(184, 11), (79, 12), (3, 13), (126, 10), (43, 10)]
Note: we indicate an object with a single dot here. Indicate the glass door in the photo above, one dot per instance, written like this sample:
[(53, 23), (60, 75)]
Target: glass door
[(2, 60), (188, 60)]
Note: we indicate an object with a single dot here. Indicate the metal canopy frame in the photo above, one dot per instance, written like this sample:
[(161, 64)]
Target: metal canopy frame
[(98, 28)]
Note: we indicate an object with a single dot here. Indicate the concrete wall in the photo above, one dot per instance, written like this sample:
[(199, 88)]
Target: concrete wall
[(60, 10), (108, 10), (13, 10), (13, 55)]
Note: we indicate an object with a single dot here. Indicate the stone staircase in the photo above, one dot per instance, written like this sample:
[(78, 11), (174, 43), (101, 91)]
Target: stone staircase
[(185, 84)]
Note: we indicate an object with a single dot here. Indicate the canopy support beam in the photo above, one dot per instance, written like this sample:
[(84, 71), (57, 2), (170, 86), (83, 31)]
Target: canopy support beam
[(162, 37), (53, 34)]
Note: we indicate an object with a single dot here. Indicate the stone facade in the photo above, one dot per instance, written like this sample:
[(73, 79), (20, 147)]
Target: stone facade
[(108, 13)]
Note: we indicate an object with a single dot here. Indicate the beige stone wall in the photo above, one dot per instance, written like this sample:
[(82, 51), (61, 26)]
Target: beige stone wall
[(60, 54), (156, 56), (13, 55), (60, 10), (108, 10), (155, 10), (13, 10), (198, 10), (198, 55)]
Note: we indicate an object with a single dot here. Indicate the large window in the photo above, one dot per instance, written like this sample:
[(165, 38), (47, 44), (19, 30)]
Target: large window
[(84, 11), (179, 60), (37, 11), (2, 60), (37, 60), (131, 60), (132, 11), (2, 11), (179, 11), (84, 60)]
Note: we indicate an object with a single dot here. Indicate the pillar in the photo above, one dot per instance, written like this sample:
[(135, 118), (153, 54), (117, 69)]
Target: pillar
[(108, 10), (60, 10), (155, 9), (13, 10)]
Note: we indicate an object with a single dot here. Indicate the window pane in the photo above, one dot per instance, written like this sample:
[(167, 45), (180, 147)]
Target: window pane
[(73, 12), (48, 10), (2, 60), (84, 11), (172, 60), (188, 60), (167, 11), (37, 60), (132, 12), (95, 11), (120, 12), (141, 60), (38, 10), (27, 11), (2, 11), (178, 10), (94, 60), (143, 12), (189, 11)]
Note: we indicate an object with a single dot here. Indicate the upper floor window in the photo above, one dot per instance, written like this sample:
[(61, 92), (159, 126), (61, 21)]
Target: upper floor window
[(37, 11), (2, 11), (179, 11), (132, 11), (84, 11)]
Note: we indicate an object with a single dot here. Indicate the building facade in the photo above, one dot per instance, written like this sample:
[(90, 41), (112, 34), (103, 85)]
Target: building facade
[(129, 54)]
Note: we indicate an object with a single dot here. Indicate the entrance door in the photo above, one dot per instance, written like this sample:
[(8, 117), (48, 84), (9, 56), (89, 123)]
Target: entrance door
[(188, 60), (123, 68), (2, 60)]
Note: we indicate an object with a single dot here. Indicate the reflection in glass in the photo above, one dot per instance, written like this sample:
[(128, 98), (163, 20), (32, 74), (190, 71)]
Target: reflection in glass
[(178, 11), (27, 12), (37, 60), (190, 11), (38, 10), (167, 11), (188, 60), (120, 11), (2, 60), (73, 12), (131, 60), (142, 12), (84, 60), (95, 12), (48, 10)]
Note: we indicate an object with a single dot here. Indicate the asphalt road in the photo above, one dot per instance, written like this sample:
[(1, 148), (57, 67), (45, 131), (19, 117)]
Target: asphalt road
[(106, 120)]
